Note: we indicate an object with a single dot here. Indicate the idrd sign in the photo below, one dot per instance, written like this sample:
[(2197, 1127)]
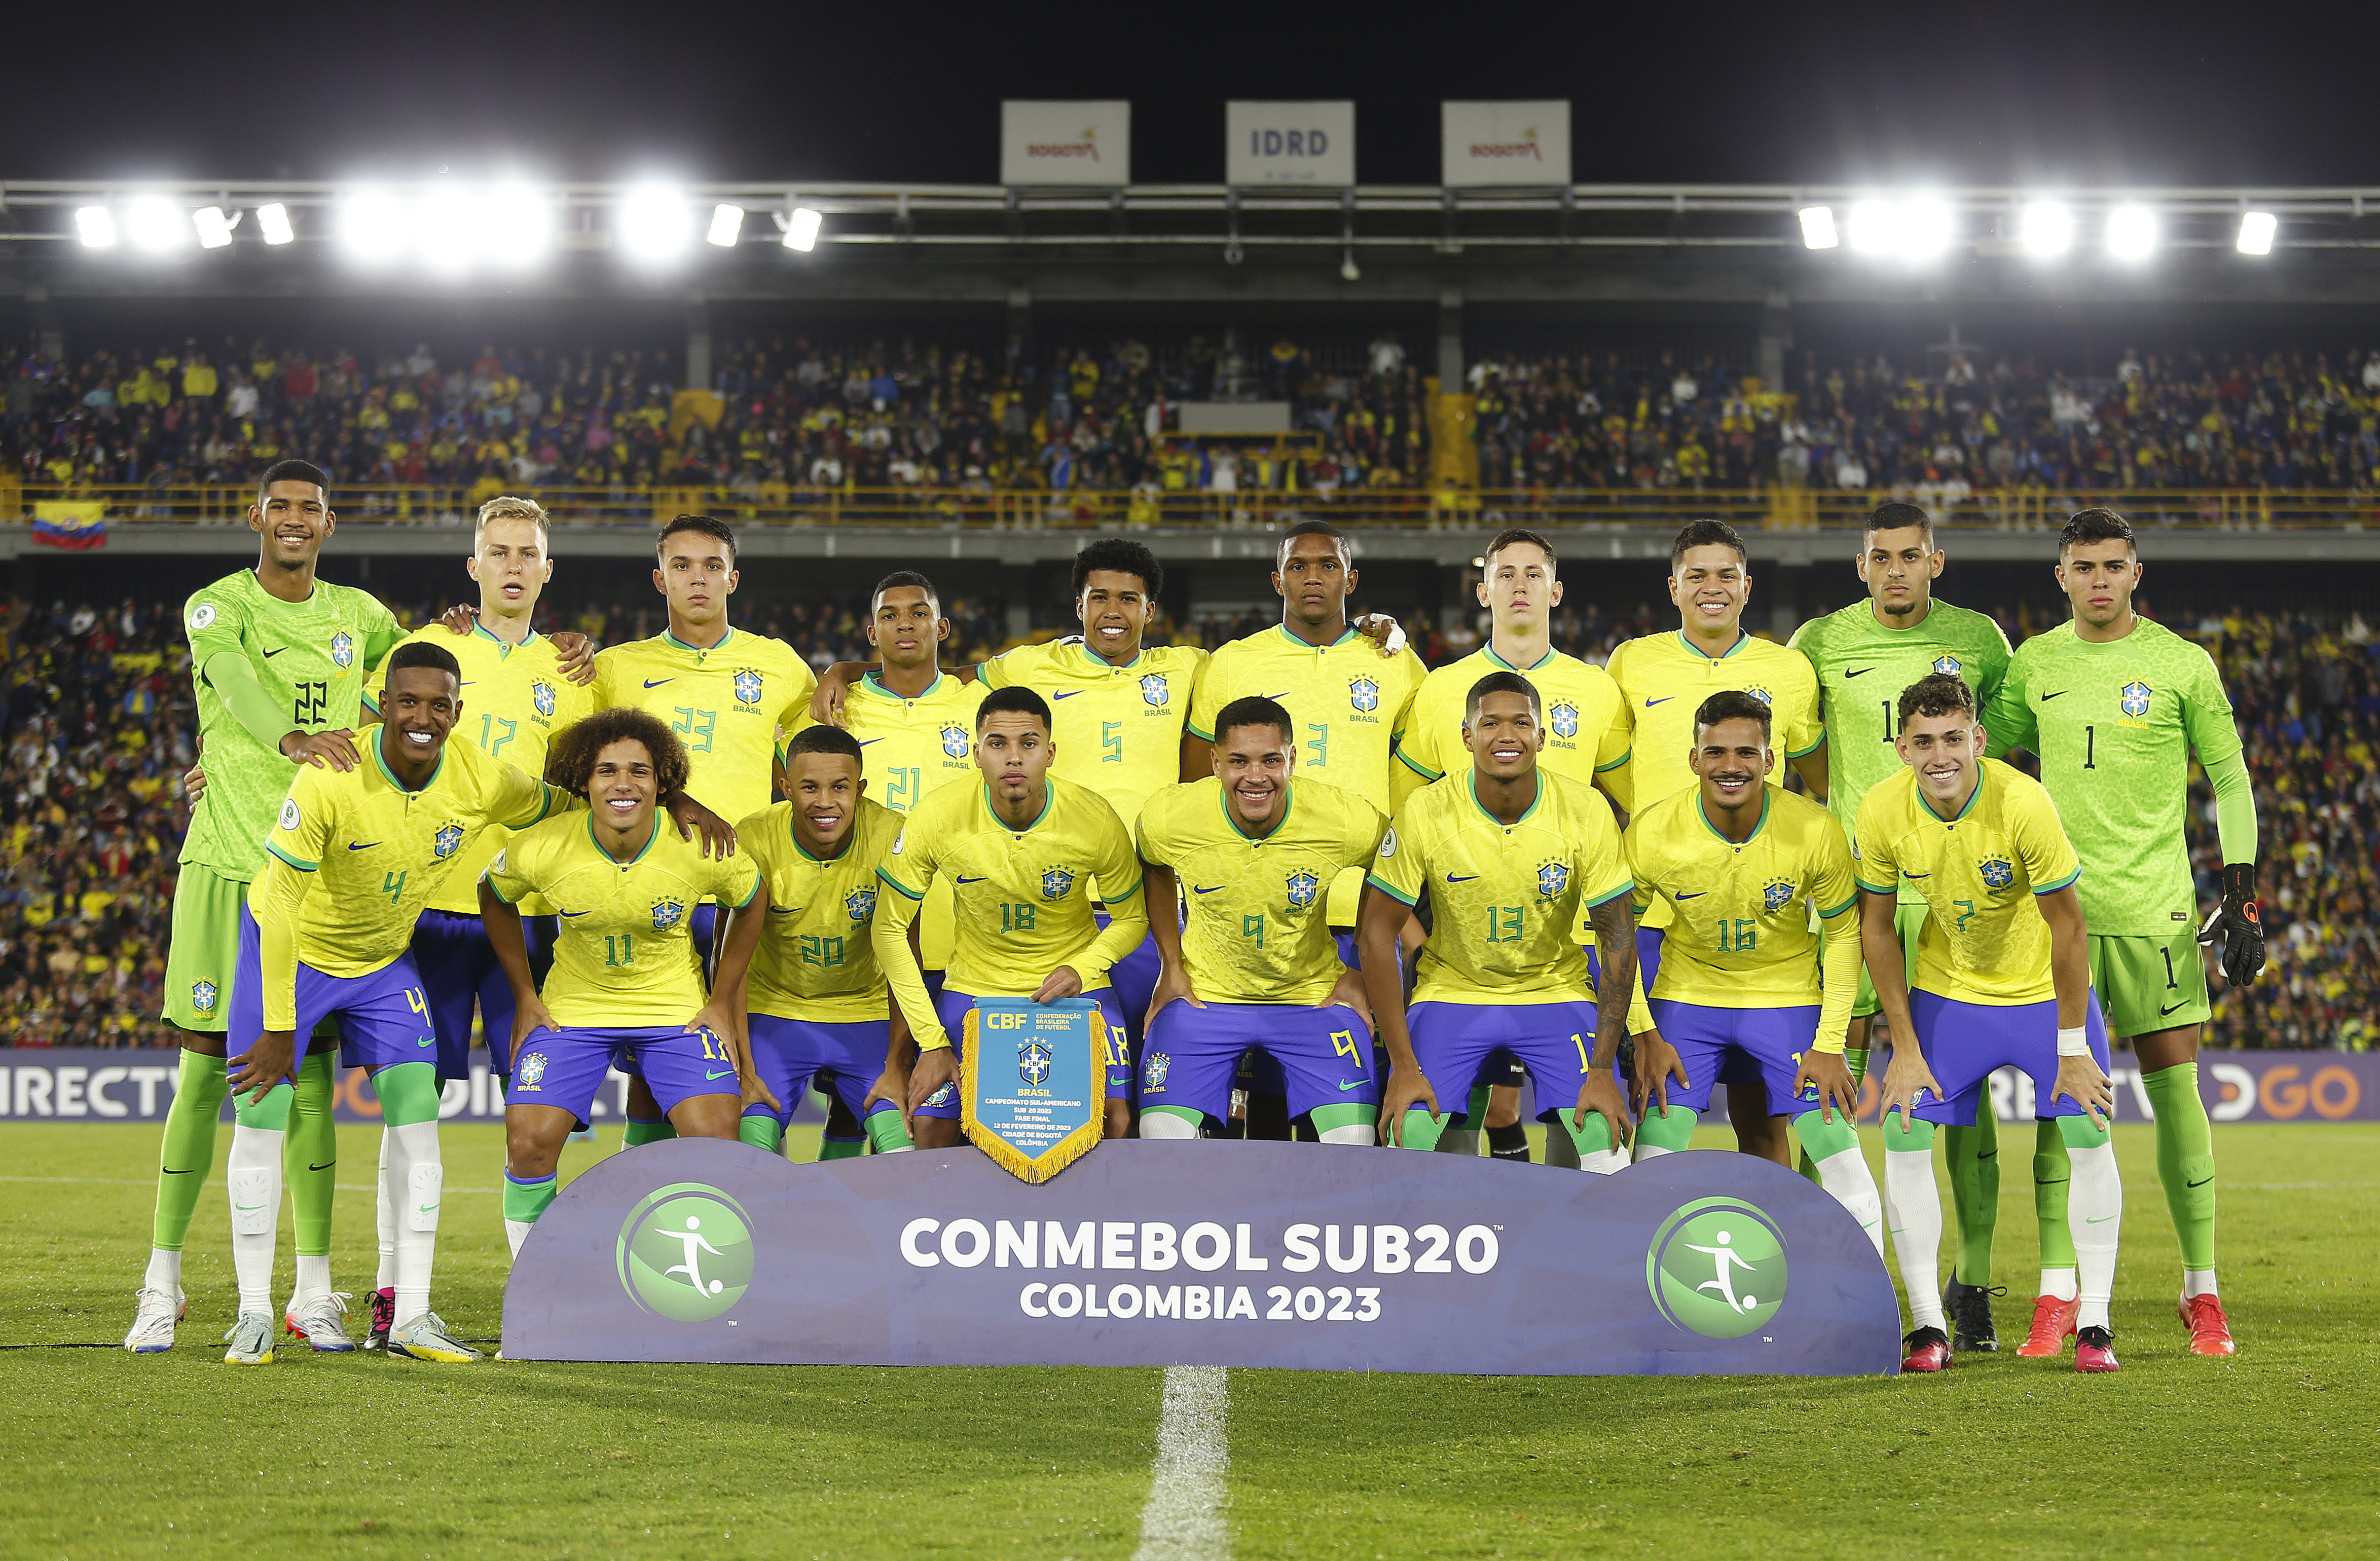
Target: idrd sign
[(1289, 143)]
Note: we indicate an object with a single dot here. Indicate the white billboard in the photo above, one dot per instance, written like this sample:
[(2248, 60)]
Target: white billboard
[(1504, 143), (1065, 143), (1289, 143)]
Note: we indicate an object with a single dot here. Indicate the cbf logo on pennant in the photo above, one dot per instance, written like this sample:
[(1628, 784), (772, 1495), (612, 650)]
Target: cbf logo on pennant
[(1032, 1083)]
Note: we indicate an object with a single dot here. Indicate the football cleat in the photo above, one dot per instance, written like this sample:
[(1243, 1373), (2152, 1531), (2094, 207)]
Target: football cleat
[(1970, 1309), (427, 1337), (152, 1321), (321, 1322), (383, 1317), (2095, 1350), (2053, 1324), (1929, 1350), (2210, 1330), (250, 1339)]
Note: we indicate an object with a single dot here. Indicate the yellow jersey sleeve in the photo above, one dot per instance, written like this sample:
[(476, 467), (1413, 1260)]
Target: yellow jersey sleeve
[(516, 869), (1396, 871), (303, 828), (1875, 867)]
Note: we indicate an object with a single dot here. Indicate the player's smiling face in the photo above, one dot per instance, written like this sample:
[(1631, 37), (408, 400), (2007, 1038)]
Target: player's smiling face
[(2099, 579), (1314, 579), (907, 628), (1504, 737), (1254, 763), (1899, 568), (1943, 750), (294, 518), (826, 789), (1519, 587), (697, 574), (621, 787), (510, 564), (1732, 758), (1710, 586), (1013, 750), (1114, 608), (418, 708)]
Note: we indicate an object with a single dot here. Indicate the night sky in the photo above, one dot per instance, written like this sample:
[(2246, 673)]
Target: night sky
[(2013, 92)]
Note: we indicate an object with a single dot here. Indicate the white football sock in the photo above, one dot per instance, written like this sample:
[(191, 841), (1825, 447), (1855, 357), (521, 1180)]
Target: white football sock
[(1913, 1208), (516, 1231), (253, 1175), (1599, 1162), (1364, 1134), (1166, 1124), (415, 1183), (165, 1270), (2063, 1283), (1650, 1151), (2197, 1282), (1845, 1174), (2094, 1213), (313, 1280), (387, 1210)]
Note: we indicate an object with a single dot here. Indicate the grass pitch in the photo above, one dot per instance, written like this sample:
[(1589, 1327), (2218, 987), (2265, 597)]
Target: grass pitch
[(106, 1454)]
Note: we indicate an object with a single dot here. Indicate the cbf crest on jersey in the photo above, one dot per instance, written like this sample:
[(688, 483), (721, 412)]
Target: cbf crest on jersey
[(1565, 719), (447, 841), (1055, 882), (1552, 878), (541, 695), (2134, 700), (954, 742), (1364, 693), (747, 686), (1947, 664), (1303, 886), (860, 904), (342, 648), (1760, 693), (1996, 871), (1775, 895), (1153, 690), (667, 913)]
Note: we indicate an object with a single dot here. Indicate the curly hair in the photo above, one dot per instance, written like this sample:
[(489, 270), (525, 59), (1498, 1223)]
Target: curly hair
[(570, 762)]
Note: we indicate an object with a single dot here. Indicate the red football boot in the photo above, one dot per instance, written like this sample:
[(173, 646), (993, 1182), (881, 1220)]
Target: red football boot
[(1929, 1350), (2053, 1324), (2210, 1330), (2095, 1350)]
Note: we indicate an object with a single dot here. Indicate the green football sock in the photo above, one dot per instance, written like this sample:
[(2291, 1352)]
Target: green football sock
[(645, 1132), (271, 1113), (886, 1133), (2051, 1172), (1594, 1138), (524, 1201), (1854, 1058), (188, 1154), (1418, 1132), (408, 1094), (759, 1130), (2185, 1143), (1974, 1154), (1664, 1131), (309, 1155), (841, 1148)]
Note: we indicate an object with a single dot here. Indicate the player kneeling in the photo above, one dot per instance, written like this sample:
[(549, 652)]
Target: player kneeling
[(1255, 964), (627, 982), (1507, 854), (818, 1002), (2003, 981)]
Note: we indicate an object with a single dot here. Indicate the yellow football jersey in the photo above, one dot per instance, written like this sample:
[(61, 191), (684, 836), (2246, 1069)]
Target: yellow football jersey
[(726, 704), (816, 960), (1986, 941), (356, 856), (908, 750), (1586, 720), (1504, 897), (1118, 729), (1023, 895), (623, 956), (1740, 934), (515, 701), (1256, 931), (1664, 680), (1350, 704)]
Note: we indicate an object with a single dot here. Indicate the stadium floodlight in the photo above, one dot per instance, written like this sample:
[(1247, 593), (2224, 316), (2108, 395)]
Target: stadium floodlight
[(726, 226), (2257, 230), (444, 230), (1926, 226), (653, 223), (515, 225), (1818, 228), (2132, 233), (372, 224), (802, 229), (96, 225), (156, 224), (2046, 228), (214, 227), (1875, 226), (273, 223)]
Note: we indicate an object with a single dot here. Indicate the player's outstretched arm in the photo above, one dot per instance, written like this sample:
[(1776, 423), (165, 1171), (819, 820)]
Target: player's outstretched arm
[(502, 922), (1880, 942), (1160, 887), (1379, 920), (1619, 992), (574, 654), (264, 718), (278, 901), (1384, 632), (2079, 1073), (726, 1014), (896, 956), (1811, 768), (692, 819), (1823, 1067)]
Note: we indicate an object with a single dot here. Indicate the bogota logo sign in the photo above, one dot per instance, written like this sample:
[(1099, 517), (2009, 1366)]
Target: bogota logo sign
[(1716, 1265), (685, 1251)]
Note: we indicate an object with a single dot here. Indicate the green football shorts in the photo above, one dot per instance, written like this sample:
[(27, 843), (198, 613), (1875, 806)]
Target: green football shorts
[(1905, 921), (2147, 983), (204, 950)]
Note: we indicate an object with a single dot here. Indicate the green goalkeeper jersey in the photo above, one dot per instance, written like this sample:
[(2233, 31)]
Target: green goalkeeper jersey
[(2113, 725), (311, 657), (1863, 666)]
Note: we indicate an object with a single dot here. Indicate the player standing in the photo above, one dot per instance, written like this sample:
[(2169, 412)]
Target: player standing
[(1862, 655), (2003, 980), (1510, 855), (355, 854), (1255, 964), (1019, 850), (278, 659), (2115, 705)]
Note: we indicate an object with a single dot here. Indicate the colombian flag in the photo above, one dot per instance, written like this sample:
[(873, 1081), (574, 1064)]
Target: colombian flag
[(76, 524)]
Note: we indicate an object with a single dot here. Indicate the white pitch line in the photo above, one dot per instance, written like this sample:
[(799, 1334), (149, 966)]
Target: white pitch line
[(151, 1181), (1184, 1519)]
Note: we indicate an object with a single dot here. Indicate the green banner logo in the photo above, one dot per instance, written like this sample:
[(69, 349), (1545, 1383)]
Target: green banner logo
[(685, 1251), (1716, 1265)]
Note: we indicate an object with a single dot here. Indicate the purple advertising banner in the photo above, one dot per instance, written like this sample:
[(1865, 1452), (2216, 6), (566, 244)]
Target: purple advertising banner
[(1204, 1253)]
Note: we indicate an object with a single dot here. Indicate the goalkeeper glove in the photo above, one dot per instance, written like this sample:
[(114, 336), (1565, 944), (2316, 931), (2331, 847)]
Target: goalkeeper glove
[(2235, 927)]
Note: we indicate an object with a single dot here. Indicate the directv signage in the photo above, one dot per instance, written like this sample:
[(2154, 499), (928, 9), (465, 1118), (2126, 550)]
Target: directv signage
[(1504, 143), (1289, 143), (1065, 143)]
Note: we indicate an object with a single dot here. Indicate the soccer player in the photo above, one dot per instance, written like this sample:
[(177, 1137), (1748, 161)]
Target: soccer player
[(819, 1005), (1587, 731), (1738, 860), (355, 856), (279, 660), (727, 694), (626, 980), (1862, 654), (2115, 705), (1019, 850), (1510, 854), (2003, 980), (1256, 965)]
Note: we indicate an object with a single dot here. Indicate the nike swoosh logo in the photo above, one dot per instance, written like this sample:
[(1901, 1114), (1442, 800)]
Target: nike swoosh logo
[(244, 1208), (1662, 700), (271, 654), (728, 1073), (2176, 1009), (1196, 890), (1282, 695), (427, 1041), (864, 741), (2197, 1183), (965, 880), (428, 1209), (656, 683), (1464, 879), (1068, 694), (2097, 1219), (325, 1166), (170, 1171), (1345, 1084), (1907, 874), (577, 913), (365, 845), (1993, 1155), (1697, 894), (2048, 697), (1850, 673), (773, 910)]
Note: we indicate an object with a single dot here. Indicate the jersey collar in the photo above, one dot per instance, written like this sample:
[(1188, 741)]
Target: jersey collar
[(642, 852), (1742, 638), (381, 761), (1765, 799), (869, 681), (793, 830), (1082, 647), (1471, 790), (1288, 802), (1292, 639), (727, 640), (1049, 799), (481, 631), (1489, 651), (1964, 808)]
